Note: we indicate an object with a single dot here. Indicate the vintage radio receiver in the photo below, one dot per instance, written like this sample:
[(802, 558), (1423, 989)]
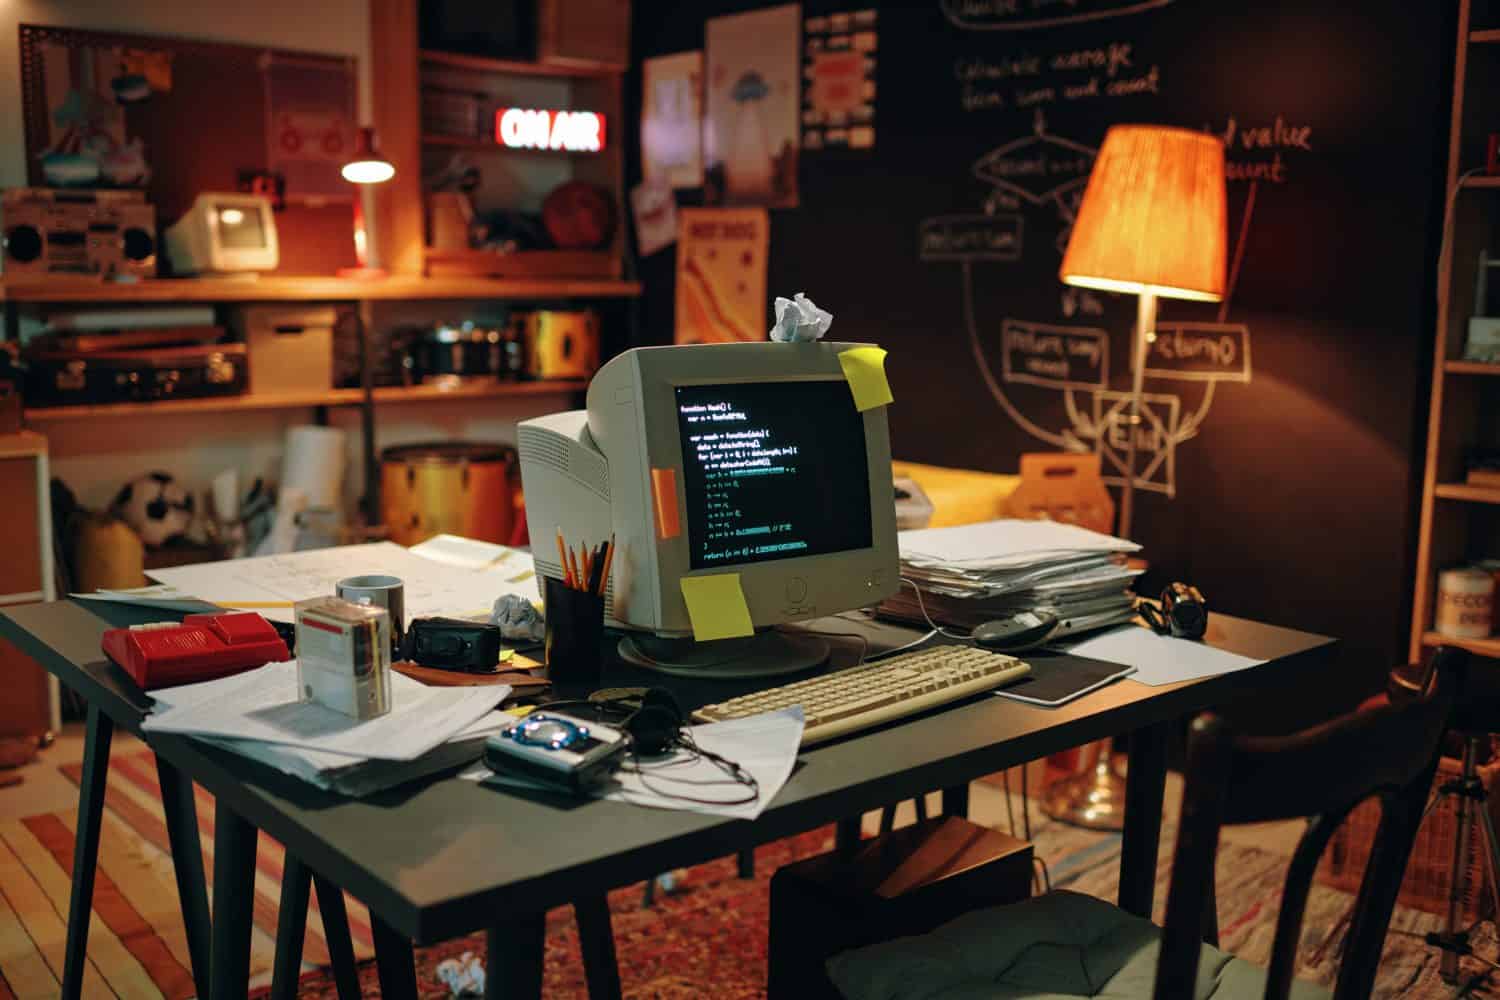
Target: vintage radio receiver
[(78, 232)]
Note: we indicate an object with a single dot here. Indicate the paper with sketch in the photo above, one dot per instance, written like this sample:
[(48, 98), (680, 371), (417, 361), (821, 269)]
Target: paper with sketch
[(263, 705), (1006, 543), (764, 745), (1160, 659), (514, 566), (270, 584)]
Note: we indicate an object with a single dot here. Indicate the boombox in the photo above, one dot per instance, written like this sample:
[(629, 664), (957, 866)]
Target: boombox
[(78, 232)]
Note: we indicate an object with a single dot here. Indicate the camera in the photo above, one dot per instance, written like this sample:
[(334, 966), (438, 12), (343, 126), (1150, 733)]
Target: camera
[(556, 750)]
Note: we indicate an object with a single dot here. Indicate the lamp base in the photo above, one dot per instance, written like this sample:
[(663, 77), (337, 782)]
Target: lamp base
[(1094, 798)]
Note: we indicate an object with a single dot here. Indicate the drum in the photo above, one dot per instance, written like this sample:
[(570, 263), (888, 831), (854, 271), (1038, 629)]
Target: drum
[(457, 487)]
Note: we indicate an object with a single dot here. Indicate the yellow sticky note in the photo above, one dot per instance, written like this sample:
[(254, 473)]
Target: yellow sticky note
[(716, 606), (864, 367)]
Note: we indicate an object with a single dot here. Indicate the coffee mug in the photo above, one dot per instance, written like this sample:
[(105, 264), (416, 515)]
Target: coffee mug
[(381, 591)]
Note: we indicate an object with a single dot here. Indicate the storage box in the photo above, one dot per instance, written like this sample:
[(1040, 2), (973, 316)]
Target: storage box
[(291, 347), (1429, 868)]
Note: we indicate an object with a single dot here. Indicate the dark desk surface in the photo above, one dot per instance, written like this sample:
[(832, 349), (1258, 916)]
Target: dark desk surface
[(444, 857)]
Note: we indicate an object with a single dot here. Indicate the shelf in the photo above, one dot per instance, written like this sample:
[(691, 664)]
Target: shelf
[(1465, 492), (480, 64), (293, 401), (1479, 647), (1482, 182), (1471, 368), (1488, 36), (310, 288), (481, 390)]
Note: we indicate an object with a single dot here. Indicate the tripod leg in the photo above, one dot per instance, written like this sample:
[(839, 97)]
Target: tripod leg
[(1491, 851), (1458, 873)]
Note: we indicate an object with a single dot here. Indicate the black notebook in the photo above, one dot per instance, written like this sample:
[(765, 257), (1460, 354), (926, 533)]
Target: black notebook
[(1058, 678)]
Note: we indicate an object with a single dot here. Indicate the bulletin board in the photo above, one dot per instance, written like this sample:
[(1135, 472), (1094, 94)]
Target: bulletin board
[(177, 117)]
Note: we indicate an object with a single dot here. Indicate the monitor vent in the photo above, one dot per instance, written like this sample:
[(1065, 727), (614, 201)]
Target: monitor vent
[(545, 448)]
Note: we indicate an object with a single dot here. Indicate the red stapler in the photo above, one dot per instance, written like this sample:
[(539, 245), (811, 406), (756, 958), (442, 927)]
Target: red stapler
[(202, 648)]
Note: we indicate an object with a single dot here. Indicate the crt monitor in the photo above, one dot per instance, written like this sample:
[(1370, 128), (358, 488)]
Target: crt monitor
[(748, 459)]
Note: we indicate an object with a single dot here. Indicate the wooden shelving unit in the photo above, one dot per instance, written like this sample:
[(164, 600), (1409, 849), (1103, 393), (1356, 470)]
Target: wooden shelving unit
[(1466, 493), (513, 67), (1460, 523), (1470, 368), (1479, 647), (310, 288), (387, 395)]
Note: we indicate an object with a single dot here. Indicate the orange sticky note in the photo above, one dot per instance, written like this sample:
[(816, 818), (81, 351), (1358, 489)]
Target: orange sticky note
[(864, 367), (716, 606), (664, 502)]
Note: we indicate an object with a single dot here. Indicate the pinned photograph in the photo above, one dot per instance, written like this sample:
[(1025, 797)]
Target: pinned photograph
[(672, 119), (752, 100)]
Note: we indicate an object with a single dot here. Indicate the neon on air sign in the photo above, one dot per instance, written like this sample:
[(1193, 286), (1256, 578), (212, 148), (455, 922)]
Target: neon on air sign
[(534, 128)]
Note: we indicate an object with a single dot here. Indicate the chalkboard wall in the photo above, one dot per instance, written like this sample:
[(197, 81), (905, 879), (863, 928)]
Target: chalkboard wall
[(1289, 419)]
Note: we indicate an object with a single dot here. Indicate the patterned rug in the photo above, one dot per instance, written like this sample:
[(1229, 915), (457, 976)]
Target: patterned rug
[(706, 939)]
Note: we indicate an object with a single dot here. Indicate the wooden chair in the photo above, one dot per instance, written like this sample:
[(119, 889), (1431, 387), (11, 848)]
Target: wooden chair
[(1072, 945)]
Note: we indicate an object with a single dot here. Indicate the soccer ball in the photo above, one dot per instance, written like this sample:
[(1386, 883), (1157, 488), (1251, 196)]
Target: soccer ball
[(156, 507)]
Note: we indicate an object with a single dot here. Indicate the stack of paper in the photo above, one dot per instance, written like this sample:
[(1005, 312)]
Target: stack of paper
[(259, 714), (976, 573)]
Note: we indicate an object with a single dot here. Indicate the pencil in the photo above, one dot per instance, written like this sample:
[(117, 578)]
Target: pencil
[(609, 558), (562, 555), (253, 604), (577, 583), (588, 565)]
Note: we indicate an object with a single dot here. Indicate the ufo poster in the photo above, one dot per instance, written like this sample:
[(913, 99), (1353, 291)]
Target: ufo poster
[(752, 101)]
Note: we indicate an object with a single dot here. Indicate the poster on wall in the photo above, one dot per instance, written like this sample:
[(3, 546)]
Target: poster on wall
[(838, 87), (310, 123), (672, 119), (87, 89), (721, 274), (655, 209), (752, 100)]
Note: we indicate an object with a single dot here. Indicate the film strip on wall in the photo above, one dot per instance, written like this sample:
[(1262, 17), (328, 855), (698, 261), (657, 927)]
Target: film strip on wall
[(838, 80)]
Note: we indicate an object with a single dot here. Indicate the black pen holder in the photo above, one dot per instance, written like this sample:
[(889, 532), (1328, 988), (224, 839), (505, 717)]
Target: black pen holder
[(574, 637)]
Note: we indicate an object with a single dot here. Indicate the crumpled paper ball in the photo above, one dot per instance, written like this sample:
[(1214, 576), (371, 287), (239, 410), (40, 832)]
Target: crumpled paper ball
[(518, 618), (799, 320), (464, 975)]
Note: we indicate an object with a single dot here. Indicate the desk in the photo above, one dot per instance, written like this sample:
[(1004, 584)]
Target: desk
[(446, 857)]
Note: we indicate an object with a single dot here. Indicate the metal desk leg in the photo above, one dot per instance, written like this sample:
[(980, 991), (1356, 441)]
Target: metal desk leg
[(234, 895), (394, 961), (291, 928), (596, 938), (187, 865), (1145, 789), (516, 948), (336, 935), (97, 737), (846, 834), (956, 801)]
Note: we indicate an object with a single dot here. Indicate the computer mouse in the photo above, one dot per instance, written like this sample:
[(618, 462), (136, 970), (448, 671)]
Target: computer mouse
[(1023, 630)]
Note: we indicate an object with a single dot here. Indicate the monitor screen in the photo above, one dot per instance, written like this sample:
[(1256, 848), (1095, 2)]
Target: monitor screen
[(240, 227), (772, 470)]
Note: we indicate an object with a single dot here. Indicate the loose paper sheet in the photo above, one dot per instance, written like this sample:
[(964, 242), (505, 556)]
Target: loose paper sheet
[(1160, 659), (263, 704)]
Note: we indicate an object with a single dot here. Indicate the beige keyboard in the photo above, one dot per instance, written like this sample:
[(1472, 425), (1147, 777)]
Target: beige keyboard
[(861, 697)]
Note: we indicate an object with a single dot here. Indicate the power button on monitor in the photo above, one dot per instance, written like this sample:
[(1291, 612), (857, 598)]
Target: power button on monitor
[(796, 589)]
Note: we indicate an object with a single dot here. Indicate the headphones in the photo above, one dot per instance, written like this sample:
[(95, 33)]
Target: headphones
[(651, 717), (656, 725)]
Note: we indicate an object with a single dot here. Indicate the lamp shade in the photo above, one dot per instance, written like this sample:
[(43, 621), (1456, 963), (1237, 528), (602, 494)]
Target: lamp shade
[(1153, 217), (367, 165)]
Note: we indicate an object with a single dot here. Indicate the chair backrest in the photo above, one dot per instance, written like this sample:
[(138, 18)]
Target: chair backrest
[(1321, 774)]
